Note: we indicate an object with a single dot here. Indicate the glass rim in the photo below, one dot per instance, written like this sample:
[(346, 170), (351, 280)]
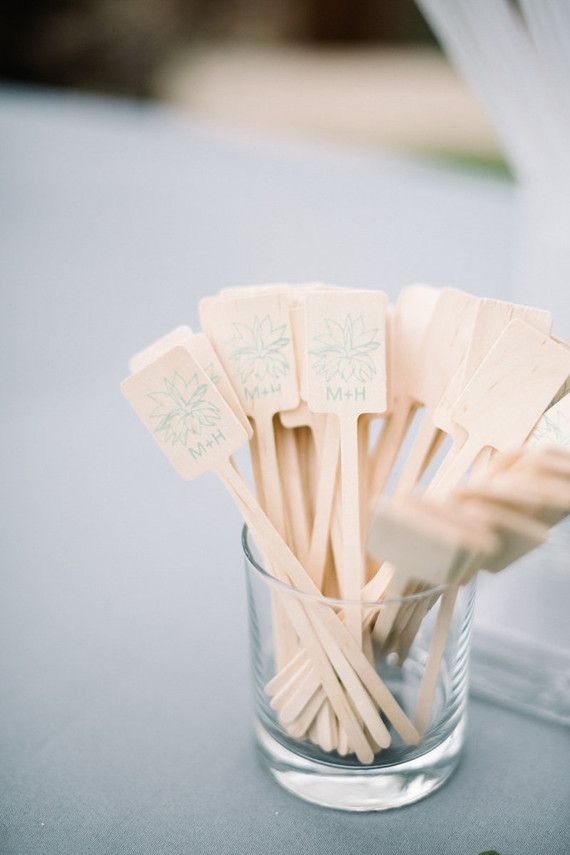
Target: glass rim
[(336, 602)]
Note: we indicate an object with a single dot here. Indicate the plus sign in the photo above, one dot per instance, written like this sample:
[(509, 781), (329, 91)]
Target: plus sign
[(348, 394), (209, 443), (265, 391)]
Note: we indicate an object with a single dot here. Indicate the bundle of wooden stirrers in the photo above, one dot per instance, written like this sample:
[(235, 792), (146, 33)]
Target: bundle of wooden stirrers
[(346, 403)]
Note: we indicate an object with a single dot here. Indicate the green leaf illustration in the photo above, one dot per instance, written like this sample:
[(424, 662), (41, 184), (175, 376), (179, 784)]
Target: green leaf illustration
[(182, 409), (344, 350), (256, 351)]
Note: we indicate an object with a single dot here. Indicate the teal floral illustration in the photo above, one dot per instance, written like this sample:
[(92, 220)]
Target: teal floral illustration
[(344, 350), (182, 409), (256, 351), (554, 428)]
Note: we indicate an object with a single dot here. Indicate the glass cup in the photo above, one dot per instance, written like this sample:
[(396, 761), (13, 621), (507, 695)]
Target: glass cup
[(423, 662)]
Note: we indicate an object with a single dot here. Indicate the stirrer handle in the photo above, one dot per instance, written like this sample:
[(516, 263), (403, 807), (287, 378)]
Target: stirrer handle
[(269, 468), (294, 496), (428, 684), (351, 572), (387, 448), (418, 458), (459, 460), (324, 500), (457, 463)]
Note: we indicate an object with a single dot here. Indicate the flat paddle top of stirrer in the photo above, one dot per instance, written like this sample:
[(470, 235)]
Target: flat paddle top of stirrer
[(184, 412), (346, 351), (512, 386), (252, 336), (202, 350)]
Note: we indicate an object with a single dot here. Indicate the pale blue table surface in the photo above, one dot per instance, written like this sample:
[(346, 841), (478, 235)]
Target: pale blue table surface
[(122, 628)]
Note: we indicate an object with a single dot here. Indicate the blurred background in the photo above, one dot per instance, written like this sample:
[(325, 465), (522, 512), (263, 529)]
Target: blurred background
[(367, 73)]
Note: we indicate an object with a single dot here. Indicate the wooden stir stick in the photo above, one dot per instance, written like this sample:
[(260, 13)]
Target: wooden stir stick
[(197, 431), (491, 315), (520, 501), (346, 376), (252, 336), (491, 318), (409, 323), (295, 498), (443, 349), (503, 400), (314, 552), (518, 536), (325, 434), (498, 408), (505, 397), (300, 508)]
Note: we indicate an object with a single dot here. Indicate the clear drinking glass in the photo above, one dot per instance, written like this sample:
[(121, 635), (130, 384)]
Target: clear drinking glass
[(401, 773)]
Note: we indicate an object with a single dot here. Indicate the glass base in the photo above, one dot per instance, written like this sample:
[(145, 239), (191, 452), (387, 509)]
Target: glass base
[(359, 788)]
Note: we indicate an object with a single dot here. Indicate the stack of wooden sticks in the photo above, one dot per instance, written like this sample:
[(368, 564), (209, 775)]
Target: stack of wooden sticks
[(348, 404)]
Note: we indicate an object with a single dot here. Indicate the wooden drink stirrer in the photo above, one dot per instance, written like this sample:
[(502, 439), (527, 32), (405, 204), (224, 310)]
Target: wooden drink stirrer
[(301, 416), (521, 359), (325, 629), (444, 346), (491, 319), (299, 504), (197, 431), (505, 397), (252, 336), (498, 408), (491, 311), (518, 536), (239, 293), (410, 319), (326, 437), (313, 552), (346, 376), (442, 350), (522, 501)]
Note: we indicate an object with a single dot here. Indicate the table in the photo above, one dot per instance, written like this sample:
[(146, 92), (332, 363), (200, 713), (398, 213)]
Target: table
[(123, 603)]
